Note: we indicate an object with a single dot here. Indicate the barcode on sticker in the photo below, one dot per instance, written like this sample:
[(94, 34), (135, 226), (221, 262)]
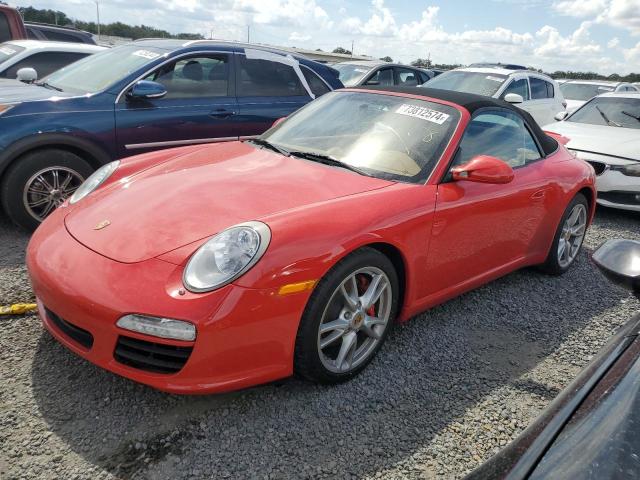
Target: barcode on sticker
[(423, 113), (146, 54), (7, 50)]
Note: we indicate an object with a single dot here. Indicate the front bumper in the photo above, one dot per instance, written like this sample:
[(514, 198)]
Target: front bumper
[(244, 337), (617, 190)]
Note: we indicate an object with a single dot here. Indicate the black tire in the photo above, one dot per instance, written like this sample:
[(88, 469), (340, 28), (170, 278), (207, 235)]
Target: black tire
[(552, 266), (307, 361), (17, 176)]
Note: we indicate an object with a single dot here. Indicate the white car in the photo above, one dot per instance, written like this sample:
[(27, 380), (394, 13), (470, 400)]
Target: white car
[(43, 57), (577, 92), (534, 92), (605, 132)]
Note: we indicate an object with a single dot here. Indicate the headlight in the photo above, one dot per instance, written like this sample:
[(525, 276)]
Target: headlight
[(226, 256), (629, 170), (158, 327), (94, 181)]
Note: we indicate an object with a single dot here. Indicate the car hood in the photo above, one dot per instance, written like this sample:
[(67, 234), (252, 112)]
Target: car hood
[(196, 195), (12, 91), (602, 139)]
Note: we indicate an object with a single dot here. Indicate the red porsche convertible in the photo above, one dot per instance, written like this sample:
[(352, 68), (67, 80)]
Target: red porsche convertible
[(216, 267)]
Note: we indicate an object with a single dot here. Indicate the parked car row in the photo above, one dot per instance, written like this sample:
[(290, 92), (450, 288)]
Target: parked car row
[(136, 98)]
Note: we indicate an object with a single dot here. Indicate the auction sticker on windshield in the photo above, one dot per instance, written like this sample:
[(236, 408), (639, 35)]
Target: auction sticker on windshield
[(423, 113), (146, 54)]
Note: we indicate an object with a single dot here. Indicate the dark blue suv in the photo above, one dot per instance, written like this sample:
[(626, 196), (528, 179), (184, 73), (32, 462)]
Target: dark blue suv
[(142, 96)]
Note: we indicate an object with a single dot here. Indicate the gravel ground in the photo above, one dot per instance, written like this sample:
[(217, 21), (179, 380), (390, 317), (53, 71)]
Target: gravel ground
[(448, 390)]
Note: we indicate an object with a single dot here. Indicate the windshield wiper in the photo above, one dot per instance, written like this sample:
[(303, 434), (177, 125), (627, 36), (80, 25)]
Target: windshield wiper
[(49, 86), (631, 115), (606, 119), (328, 160), (270, 146)]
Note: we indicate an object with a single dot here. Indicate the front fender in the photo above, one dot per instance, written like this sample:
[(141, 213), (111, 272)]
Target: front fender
[(307, 242)]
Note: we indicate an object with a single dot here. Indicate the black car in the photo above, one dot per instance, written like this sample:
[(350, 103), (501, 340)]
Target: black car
[(371, 72), (592, 429), (45, 31)]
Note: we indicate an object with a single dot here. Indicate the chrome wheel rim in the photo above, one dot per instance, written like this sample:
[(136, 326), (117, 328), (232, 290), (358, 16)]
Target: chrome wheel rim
[(48, 188), (354, 320), (572, 235)]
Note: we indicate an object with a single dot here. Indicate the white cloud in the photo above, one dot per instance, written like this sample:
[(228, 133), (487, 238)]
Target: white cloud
[(298, 37), (580, 8), (616, 13), (381, 23), (622, 14), (553, 44), (613, 43)]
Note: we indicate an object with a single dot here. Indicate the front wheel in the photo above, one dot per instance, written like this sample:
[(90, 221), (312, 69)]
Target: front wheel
[(348, 318), (40, 181), (569, 237)]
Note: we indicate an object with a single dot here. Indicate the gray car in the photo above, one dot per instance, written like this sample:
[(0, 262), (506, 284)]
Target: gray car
[(357, 73)]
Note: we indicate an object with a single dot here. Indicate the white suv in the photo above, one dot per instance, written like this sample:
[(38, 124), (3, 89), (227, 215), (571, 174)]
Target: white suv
[(534, 92), (42, 56)]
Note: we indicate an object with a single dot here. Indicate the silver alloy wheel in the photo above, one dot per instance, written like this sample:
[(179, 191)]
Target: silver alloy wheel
[(48, 188), (354, 320), (572, 235)]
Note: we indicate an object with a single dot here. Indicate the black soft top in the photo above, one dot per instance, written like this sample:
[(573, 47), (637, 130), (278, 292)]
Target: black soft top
[(472, 102)]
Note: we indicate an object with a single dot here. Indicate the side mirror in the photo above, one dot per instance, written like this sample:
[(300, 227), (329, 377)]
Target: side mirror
[(560, 116), (483, 169), (27, 75), (147, 89), (619, 261), (278, 122), (513, 98)]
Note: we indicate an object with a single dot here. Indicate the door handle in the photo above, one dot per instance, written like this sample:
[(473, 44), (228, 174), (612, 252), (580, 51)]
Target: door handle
[(222, 113)]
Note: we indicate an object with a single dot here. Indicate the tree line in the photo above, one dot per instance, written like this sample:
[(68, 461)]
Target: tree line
[(116, 29)]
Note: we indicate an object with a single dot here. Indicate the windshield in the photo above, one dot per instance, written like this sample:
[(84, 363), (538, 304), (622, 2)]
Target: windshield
[(390, 137), (101, 70), (351, 75), (583, 91), (8, 50), (614, 112), (470, 82)]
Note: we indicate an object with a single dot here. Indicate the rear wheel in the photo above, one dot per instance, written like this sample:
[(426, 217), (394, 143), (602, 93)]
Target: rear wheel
[(348, 318), (569, 237), (39, 182)]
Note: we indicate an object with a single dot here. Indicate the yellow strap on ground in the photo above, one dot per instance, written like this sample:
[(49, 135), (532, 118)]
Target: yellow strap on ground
[(17, 308)]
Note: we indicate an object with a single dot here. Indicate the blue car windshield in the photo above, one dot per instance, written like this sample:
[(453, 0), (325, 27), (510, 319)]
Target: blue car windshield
[(101, 70)]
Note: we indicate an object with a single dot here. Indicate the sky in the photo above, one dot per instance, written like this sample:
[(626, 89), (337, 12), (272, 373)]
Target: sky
[(594, 35)]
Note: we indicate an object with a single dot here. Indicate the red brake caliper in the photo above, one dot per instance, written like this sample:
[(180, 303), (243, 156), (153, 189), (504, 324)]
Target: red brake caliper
[(363, 284)]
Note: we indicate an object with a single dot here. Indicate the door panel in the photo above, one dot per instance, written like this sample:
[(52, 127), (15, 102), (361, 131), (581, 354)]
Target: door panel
[(199, 106), (481, 228), (267, 90)]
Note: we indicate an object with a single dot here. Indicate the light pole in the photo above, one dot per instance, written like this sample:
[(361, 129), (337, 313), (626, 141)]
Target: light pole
[(98, 15)]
